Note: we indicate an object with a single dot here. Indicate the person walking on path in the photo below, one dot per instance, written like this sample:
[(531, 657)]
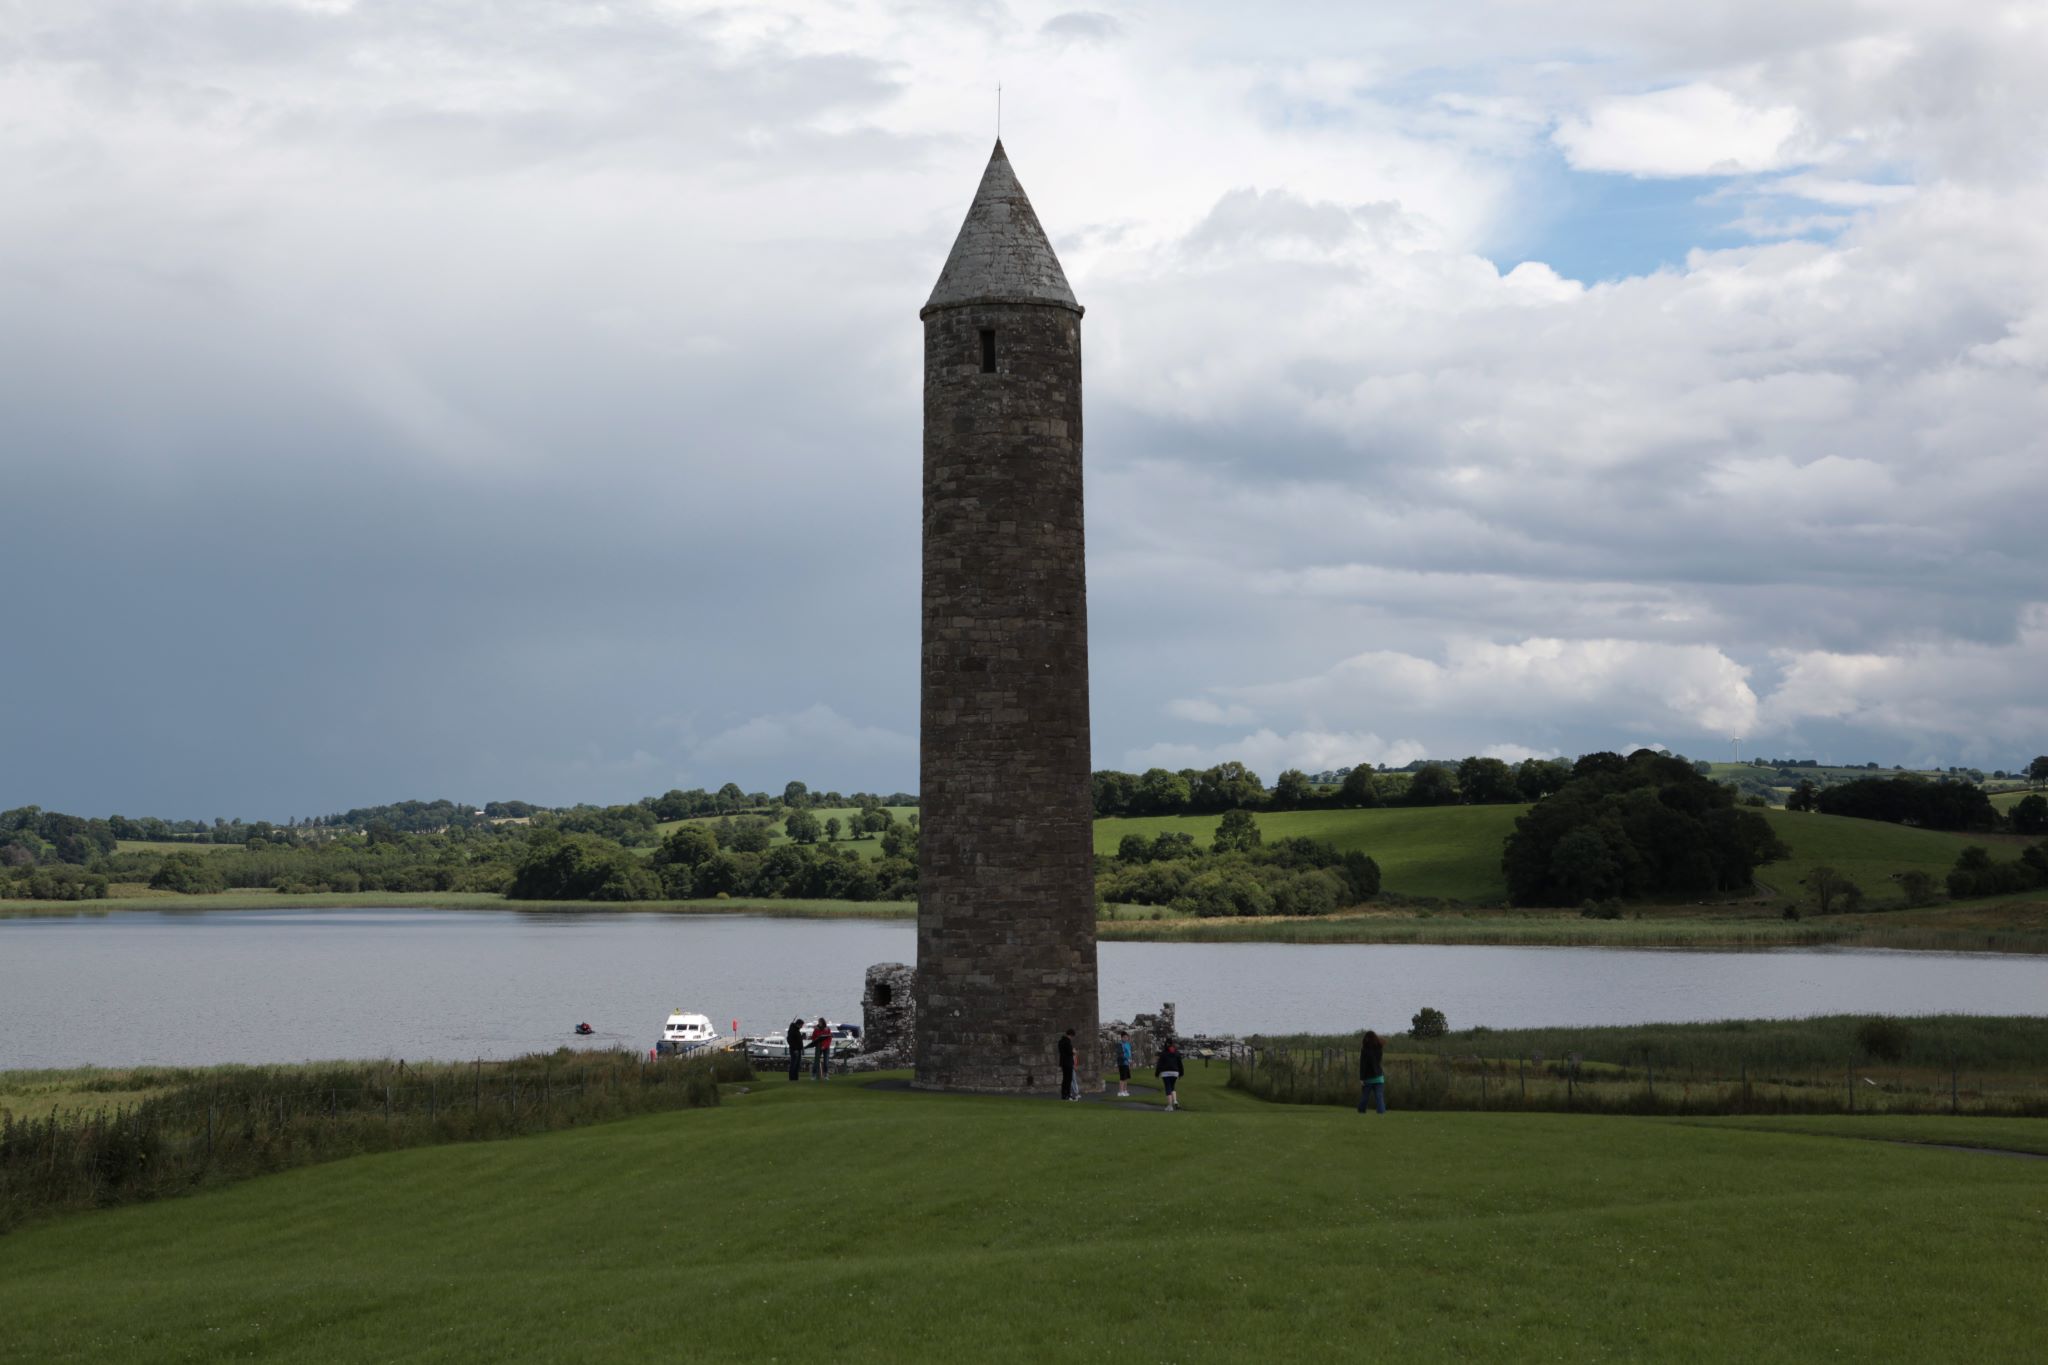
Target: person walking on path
[(1372, 1073), (1169, 1069), (1123, 1065), (1070, 1084), (795, 1039), (821, 1050)]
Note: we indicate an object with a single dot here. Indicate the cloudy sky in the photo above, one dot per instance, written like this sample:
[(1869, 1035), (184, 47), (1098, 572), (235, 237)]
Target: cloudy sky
[(521, 399)]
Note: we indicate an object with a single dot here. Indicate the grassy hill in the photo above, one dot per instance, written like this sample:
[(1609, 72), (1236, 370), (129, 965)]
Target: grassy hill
[(1453, 852), (1869, 851), (1448, 852), (847, 1224)]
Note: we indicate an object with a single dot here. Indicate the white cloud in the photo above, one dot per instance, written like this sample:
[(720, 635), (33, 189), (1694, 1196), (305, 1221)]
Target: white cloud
[(1693, 129), (1984, 699), (814, 741), (1203, 711), (1608, 683)]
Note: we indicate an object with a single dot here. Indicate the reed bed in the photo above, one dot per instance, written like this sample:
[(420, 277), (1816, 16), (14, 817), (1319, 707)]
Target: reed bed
[(1945, 1064), (225, 1124)]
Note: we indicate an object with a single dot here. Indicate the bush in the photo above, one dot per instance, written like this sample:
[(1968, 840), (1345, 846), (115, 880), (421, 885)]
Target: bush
[(1607, 909), (188, 874), (1428, 1023), (1916, 886), (1884, 1038)]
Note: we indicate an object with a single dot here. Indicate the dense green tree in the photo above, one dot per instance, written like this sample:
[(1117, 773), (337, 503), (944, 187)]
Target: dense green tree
[(1359, 790), (1292, 790), (686, 846), (1486, 782), (2030, 815), (1536, 778), (1431, 786), (1227, 786), (1113, 792), (802, 826), (1654, 827), (1238, 832), (190, 874), (1911, 801), (2037, 771), (1804, 796), (832, 829), (795, 794), (1161, 793), (750, 834)]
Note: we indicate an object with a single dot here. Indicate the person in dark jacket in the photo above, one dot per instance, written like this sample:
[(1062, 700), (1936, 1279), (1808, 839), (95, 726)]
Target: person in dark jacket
[(1070, 1084), (795, 1039), (1372, 1075), (1169, 1068)]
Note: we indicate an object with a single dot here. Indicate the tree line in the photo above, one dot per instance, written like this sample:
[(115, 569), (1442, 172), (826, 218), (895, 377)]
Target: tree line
[(1232, 786)]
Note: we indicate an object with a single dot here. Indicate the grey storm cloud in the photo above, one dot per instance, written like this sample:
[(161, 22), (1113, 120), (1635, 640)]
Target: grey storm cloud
[(522, 400)]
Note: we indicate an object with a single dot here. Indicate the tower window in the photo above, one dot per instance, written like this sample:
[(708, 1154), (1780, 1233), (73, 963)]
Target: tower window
[(988, 351)]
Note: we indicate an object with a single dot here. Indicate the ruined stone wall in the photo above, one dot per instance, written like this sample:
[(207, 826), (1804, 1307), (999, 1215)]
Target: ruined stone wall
[(1006, 899), (888, 1012)]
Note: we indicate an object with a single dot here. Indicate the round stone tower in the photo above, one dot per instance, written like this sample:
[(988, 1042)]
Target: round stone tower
[(1006, 883)]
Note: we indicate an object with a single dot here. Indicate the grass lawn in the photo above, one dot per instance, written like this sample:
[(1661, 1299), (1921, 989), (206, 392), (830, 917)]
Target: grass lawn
[(2005, 801), (838, 1223)]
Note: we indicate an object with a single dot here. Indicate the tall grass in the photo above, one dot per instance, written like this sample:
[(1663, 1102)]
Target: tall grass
[(225, 1124), (1952, 1064)]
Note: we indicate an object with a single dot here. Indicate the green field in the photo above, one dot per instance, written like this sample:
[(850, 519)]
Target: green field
[(1433, 852), (1869, 851), (2006, 800), (840, 1223)]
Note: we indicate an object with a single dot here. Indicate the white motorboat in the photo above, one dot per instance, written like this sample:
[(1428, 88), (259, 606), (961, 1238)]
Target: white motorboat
[(685, 1033)]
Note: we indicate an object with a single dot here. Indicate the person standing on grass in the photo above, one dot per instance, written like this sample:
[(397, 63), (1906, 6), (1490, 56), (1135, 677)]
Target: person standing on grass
[(1372, 1073), (1123, 1065), (821, 1050), (1169, 1069), (795, 1039), (1070, 1084)]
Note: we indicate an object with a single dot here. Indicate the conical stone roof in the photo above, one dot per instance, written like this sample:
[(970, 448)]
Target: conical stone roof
[(1001, 254)]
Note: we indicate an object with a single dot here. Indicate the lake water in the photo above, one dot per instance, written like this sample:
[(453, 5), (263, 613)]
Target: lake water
[(194, 987)]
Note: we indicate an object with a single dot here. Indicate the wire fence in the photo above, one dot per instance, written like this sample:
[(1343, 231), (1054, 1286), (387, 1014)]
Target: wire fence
[(1473, 1081), (247, 1122)]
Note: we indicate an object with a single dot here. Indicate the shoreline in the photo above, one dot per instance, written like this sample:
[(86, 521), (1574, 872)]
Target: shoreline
[(2011, 927)]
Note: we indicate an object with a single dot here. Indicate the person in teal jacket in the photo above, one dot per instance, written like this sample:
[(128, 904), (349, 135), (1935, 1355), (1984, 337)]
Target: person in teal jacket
[(1123, 1064)]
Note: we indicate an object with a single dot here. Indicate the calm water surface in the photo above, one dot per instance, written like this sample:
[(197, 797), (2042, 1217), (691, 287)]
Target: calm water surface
[(289, 985)]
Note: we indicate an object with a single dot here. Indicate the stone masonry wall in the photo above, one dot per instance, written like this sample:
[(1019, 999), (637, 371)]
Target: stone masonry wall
[(1006, 900)]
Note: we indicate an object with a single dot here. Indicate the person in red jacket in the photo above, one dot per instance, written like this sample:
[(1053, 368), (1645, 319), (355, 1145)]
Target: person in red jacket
[(821, 1049)]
